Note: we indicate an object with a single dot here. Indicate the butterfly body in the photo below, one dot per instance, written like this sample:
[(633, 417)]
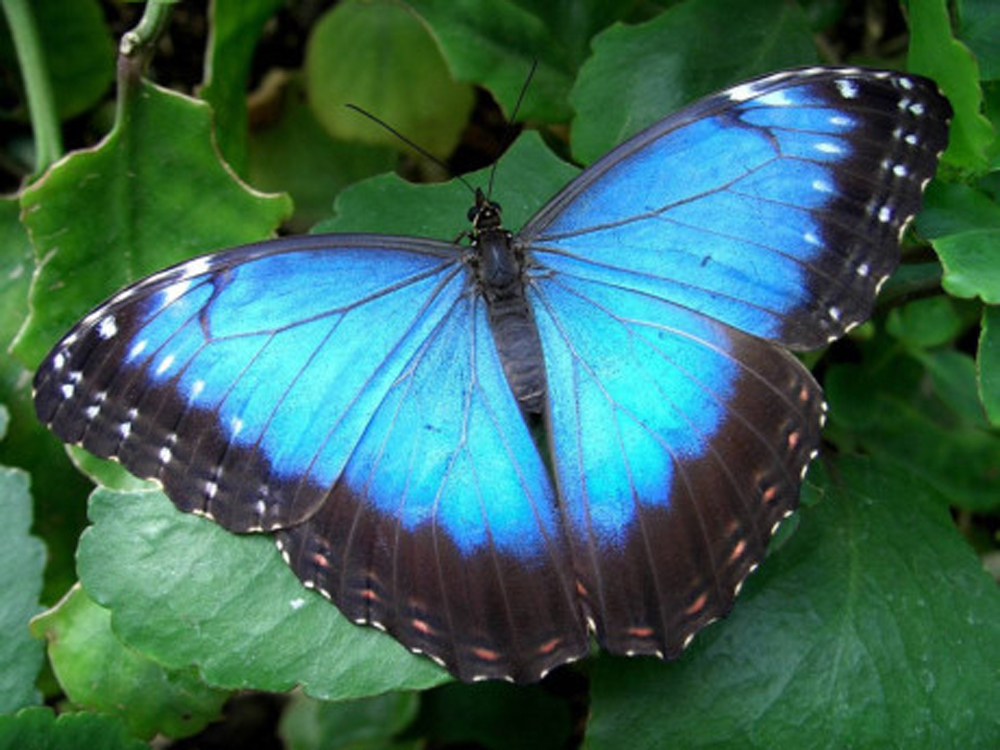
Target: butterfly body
[(589, 427), (500, 279)]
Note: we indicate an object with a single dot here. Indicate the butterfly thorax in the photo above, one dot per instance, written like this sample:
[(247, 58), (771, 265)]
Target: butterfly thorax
[(500, 279)]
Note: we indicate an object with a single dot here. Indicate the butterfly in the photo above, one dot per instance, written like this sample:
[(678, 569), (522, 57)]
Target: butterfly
[(497, 450)]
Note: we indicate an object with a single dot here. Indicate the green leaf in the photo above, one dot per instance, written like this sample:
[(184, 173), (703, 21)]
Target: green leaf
[(875, 626), (294, 153), (370, 723), (22, 558), (16, 266), (926, 322), (527, 175), (638, 75), (234, 29), (979, 27), (988, 364), (153, 193), (379, 56), (185, 592), (100, 674), (40, 729), (57, 488), (104, 473), (84, 67), (494, 43), (919, 413), (934, 52), (971, 263), (954, 208)]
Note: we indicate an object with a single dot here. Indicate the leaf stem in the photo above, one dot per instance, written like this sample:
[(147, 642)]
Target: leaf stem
[(138, 45), (37, 85)]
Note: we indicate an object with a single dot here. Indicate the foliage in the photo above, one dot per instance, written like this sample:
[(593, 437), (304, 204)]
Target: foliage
[(872, 625)]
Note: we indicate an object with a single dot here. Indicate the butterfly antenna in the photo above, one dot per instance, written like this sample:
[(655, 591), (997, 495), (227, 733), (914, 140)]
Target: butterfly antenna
[(509, 135), (416, 147)]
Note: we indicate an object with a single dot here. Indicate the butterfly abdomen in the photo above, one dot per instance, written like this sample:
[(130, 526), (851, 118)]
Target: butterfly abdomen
[(500, 275)]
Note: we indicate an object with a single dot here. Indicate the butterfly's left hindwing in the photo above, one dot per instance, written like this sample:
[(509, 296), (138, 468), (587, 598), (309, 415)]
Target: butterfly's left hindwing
[(444, 528)]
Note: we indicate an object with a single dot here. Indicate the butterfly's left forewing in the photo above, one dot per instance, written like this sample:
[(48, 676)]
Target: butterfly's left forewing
[(242, 381)]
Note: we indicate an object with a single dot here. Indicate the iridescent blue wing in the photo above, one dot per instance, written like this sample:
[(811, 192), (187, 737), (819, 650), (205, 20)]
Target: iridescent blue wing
[(776, 206), (678, 437), (345, 389), (444, 527)]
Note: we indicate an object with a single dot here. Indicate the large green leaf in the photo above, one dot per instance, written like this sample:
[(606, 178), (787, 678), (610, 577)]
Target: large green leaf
[(41, 729), (988, 364), (935, 52), (153, 193), (971, 263), (100, 674), (494, 43), (58, 489), (235, 27), (640, 74), (379, 56), (874, 626), (185, 592), (22, 558)]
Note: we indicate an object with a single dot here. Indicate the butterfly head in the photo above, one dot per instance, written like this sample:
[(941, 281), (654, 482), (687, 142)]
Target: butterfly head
[(485, 214)]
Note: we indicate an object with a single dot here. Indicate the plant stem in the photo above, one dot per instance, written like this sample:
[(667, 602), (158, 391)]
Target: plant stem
[(35, 73)]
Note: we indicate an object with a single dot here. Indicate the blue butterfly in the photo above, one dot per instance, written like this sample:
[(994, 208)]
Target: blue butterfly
[(591, 427)]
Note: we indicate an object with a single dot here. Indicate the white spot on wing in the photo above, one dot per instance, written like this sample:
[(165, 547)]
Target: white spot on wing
[(107, 328), (743, 92), (165, 455), (174, 292), (165, 365), (138, 348), (848, 89), (196, 267), (777, 99), (829, 148), (885, 214)]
